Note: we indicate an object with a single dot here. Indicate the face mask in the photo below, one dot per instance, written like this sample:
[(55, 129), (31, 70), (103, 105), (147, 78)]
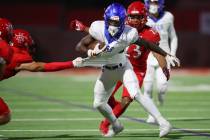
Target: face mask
[(113, 30), (153, 9)]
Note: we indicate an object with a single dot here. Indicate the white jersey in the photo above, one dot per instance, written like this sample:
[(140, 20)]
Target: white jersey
[(165, 27), (117, 55)]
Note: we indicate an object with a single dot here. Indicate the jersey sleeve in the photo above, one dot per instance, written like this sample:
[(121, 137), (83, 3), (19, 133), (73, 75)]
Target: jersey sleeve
[(153, 36), (95, 30), (132, 36), (56, 66), (172, 36)]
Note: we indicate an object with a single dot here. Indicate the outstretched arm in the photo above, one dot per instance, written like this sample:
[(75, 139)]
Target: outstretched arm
[(151, 46), (163, 64), (45, 67)]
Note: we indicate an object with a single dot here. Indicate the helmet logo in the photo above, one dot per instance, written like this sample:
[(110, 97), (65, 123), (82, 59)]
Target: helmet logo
[(20, 37), (115, 18), (135, 12)]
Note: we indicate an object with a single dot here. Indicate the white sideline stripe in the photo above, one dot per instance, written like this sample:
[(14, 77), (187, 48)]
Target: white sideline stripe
[(193, 88), (86, 110), (94, 130), (93, 119)]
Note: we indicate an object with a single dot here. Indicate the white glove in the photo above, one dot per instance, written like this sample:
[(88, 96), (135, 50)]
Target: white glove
[(172, 61), (78, 62), (96, 51)]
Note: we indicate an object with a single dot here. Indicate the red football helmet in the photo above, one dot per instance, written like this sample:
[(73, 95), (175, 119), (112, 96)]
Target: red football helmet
[(6, 29), (22, 39), (137, 15)]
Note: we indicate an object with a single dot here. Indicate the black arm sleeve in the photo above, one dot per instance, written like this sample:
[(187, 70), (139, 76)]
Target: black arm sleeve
[(150, 46)]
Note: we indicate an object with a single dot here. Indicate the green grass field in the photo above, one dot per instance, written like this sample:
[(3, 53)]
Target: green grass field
[(53, 107)]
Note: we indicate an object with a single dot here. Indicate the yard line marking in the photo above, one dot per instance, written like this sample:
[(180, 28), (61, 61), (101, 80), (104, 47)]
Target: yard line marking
[(94, 130), (98, 118)]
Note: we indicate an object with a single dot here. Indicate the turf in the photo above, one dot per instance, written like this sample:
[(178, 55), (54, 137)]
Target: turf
[(52, 107)]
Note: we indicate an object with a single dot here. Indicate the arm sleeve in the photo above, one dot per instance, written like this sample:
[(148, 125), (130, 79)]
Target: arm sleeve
[(173, 38), (56, 66)]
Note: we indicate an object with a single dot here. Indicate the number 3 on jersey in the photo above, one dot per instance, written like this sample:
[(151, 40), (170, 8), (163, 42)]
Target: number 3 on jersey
[(133, 51)]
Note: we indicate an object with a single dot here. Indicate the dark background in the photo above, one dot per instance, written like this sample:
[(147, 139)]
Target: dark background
[(48, 22)]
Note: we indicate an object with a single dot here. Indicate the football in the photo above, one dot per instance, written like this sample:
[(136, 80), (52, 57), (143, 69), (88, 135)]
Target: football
[(93, 45)]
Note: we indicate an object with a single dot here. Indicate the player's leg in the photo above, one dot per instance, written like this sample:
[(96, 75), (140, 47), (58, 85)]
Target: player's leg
[(5, 115), (104, 125), (162, 85), (131, 83), (148, 80), (102, 91)]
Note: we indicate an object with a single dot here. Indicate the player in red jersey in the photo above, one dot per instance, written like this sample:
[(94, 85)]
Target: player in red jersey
[(137, 55), (22, 44), (5, 58)]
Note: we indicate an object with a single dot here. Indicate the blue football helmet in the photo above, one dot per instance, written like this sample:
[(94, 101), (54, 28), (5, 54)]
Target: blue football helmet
[(115, 11), (160, 4)]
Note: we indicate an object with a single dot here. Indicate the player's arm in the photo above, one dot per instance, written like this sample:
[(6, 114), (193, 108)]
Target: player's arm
[(2, 66), (163, 64), (151, 46), (83, 45), (173, 38), (79, 26), (45, 67), (50, 67)]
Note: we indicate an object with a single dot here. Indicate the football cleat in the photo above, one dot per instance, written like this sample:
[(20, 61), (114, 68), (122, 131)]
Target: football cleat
[(165, 127), (103, 128), (117, 127)]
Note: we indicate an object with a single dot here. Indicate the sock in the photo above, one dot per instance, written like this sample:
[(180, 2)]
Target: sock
[(106, 111), (118, 110)]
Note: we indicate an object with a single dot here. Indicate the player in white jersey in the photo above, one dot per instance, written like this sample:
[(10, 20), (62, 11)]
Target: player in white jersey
[(116, 67), (163, 22)]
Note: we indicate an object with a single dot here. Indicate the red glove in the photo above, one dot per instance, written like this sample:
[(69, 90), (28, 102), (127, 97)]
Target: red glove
[(166, 73), (77, 25)]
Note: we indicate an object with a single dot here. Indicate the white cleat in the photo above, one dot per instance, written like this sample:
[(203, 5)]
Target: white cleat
[(116, 128), (151, 120), (165, 128)]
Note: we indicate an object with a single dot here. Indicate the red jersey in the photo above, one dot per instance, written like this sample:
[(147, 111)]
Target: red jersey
[(6, 51), (19, 56), (138, 55)]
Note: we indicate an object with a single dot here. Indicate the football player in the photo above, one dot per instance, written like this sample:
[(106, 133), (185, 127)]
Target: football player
[(22, 42), (117, 36), (163, 22), (6, 31), (137, 18)]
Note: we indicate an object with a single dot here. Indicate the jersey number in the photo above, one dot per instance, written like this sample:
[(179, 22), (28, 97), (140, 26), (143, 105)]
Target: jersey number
[(136, 50)]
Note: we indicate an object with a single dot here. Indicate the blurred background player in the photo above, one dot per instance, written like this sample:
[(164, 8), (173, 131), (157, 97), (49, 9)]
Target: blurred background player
[(163, 22), (6, 31)]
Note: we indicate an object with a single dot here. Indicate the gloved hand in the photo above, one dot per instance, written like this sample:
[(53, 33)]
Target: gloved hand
[(78, 62), (96, 51), (77, 25), (172, 61), (166, 72)]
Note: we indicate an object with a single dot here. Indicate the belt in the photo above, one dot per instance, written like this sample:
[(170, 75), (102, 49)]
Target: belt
[(113, 67)]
